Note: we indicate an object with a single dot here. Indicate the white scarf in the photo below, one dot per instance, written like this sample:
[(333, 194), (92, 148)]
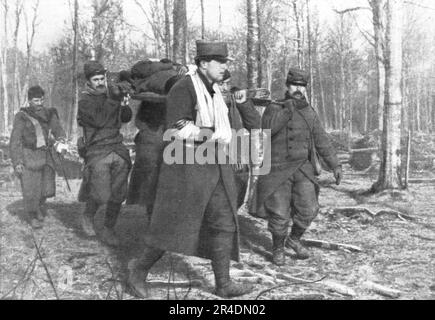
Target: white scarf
[(212, 112)]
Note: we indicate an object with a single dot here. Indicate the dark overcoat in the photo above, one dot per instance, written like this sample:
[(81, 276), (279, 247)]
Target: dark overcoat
[(290, 141), (184, 190)]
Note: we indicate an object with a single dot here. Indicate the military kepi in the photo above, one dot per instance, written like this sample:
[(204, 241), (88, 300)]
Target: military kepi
[(297, 77), (217, 50), (93, 68)]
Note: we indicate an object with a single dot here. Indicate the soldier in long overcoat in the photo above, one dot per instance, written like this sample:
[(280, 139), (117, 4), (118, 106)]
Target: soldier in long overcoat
[(290, 191), (195, 212), (150, 120), (102, 111), (36, 137)]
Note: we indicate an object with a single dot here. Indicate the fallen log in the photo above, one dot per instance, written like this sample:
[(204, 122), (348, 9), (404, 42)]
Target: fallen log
[(382, 290), (330, 245), (339, 288)]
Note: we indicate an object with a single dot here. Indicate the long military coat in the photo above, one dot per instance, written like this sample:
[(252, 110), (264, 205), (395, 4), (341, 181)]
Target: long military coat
[(290, 141), (23, 148), (184, 190)]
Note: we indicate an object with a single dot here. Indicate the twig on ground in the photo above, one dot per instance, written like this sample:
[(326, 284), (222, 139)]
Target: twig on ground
[(382, 290), (26, 276), (331, 245), (288, 285), (45, 267)]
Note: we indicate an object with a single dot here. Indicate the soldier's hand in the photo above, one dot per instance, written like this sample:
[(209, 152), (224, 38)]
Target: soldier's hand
[(240, 96), (19, 169), (338, 175)]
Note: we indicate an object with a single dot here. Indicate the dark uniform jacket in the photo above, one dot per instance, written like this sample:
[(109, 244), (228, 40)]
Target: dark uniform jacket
[(290, 141), (24, 140), (101, 118), (184, 190)]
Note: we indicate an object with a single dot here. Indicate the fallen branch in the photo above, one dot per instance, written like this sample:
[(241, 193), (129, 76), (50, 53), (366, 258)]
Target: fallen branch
[(287, 285), (330, 245), (422, 237), (45, 268), (340, 288), (382, 290), (351, 211), (26, 276)]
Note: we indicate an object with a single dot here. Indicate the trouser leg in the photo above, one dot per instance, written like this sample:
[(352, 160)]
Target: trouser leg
[(305, 208), (139, 268), (31, 181), (278, 209)]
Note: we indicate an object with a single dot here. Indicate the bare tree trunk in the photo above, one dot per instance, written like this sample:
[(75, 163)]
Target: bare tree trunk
[(298, 34), (167, 29), (202, 20), (366, 113), (350, 112), (336, 113), (75, 93), (220, 20), (389, 175), (30, 37), (342, 77), (180, 32), (4, 125), (310, 59), (252, 44), (418, 105), (379, 29), (322, 108), (259, 54), (16, 73)]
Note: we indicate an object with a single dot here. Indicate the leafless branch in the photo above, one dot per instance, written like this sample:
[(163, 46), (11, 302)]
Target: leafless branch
[(44, 265), (287, 285)]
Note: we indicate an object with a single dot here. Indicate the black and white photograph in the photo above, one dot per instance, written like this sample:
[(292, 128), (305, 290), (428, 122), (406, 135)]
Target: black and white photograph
[(247, 151)]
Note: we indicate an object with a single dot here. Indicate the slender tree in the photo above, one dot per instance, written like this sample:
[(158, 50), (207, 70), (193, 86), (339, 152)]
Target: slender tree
[(4, 75), (389, 175), (378, 10), (252, 44), (179, 48), (72, 133), (167, 29)]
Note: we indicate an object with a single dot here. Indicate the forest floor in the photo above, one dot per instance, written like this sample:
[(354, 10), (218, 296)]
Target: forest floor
[(396, 261)]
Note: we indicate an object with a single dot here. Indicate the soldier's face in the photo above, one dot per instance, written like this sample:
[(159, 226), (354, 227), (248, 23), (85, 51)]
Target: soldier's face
[(297, 91), (224, 86), (214, 70), (37, 103), (98, 83)]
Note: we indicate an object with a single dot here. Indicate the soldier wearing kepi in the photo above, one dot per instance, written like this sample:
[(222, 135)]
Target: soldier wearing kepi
[(195, 212), (36, 137), (290, 191), (102, 111)]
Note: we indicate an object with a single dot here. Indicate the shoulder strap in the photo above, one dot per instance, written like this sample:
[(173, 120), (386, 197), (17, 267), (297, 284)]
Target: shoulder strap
[(40, 138)]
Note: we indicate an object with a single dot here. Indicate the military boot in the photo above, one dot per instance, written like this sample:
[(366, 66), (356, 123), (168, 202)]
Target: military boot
[(221, 248), (109, 237), (42, 212), (87, 218), (278, 249), (34, 221), (40, 215), (138, 271), (108, 234), (294, 242)]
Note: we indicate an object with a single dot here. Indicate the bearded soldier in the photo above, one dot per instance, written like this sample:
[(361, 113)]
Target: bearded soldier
[(290, 191), (195, 212), (36, 137), (102, 111)]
